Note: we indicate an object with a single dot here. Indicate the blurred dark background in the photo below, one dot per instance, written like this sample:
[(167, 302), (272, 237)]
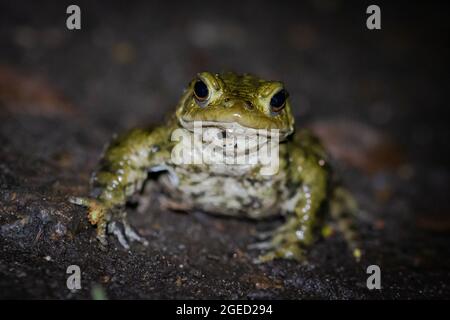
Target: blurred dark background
[(376, 98)]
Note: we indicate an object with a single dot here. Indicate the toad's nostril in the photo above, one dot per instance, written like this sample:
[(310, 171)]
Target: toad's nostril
[(249, 105)]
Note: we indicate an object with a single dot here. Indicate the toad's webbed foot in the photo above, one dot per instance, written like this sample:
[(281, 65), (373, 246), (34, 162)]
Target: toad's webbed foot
[(284, 251), (279, 249), (109, 221), (288, 241)]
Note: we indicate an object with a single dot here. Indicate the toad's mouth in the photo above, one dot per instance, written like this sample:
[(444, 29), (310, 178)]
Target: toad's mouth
[(231, 136), (234, 129)]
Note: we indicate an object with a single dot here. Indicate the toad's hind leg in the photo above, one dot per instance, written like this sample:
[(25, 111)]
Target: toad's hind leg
[(290, 240), (307, 171), (343, 210)]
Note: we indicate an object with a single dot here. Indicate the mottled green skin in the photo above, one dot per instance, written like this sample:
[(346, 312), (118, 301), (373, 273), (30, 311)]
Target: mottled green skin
[(303, 176)]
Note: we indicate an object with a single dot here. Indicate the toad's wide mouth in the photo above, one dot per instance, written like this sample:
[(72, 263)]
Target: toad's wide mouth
[(234, 140), (234, 129)]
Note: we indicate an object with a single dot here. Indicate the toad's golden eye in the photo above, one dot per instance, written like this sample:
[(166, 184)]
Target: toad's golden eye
[(201, 91), (278, 101)]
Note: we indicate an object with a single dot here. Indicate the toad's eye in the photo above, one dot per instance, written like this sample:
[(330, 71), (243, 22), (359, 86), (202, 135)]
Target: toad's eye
[(278, 101), (201, 91)]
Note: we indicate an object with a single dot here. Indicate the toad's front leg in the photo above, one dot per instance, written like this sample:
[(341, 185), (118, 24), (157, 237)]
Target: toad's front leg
[(122, 172)]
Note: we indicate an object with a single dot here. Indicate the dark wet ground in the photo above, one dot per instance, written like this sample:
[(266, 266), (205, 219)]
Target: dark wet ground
[(377, 99)]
